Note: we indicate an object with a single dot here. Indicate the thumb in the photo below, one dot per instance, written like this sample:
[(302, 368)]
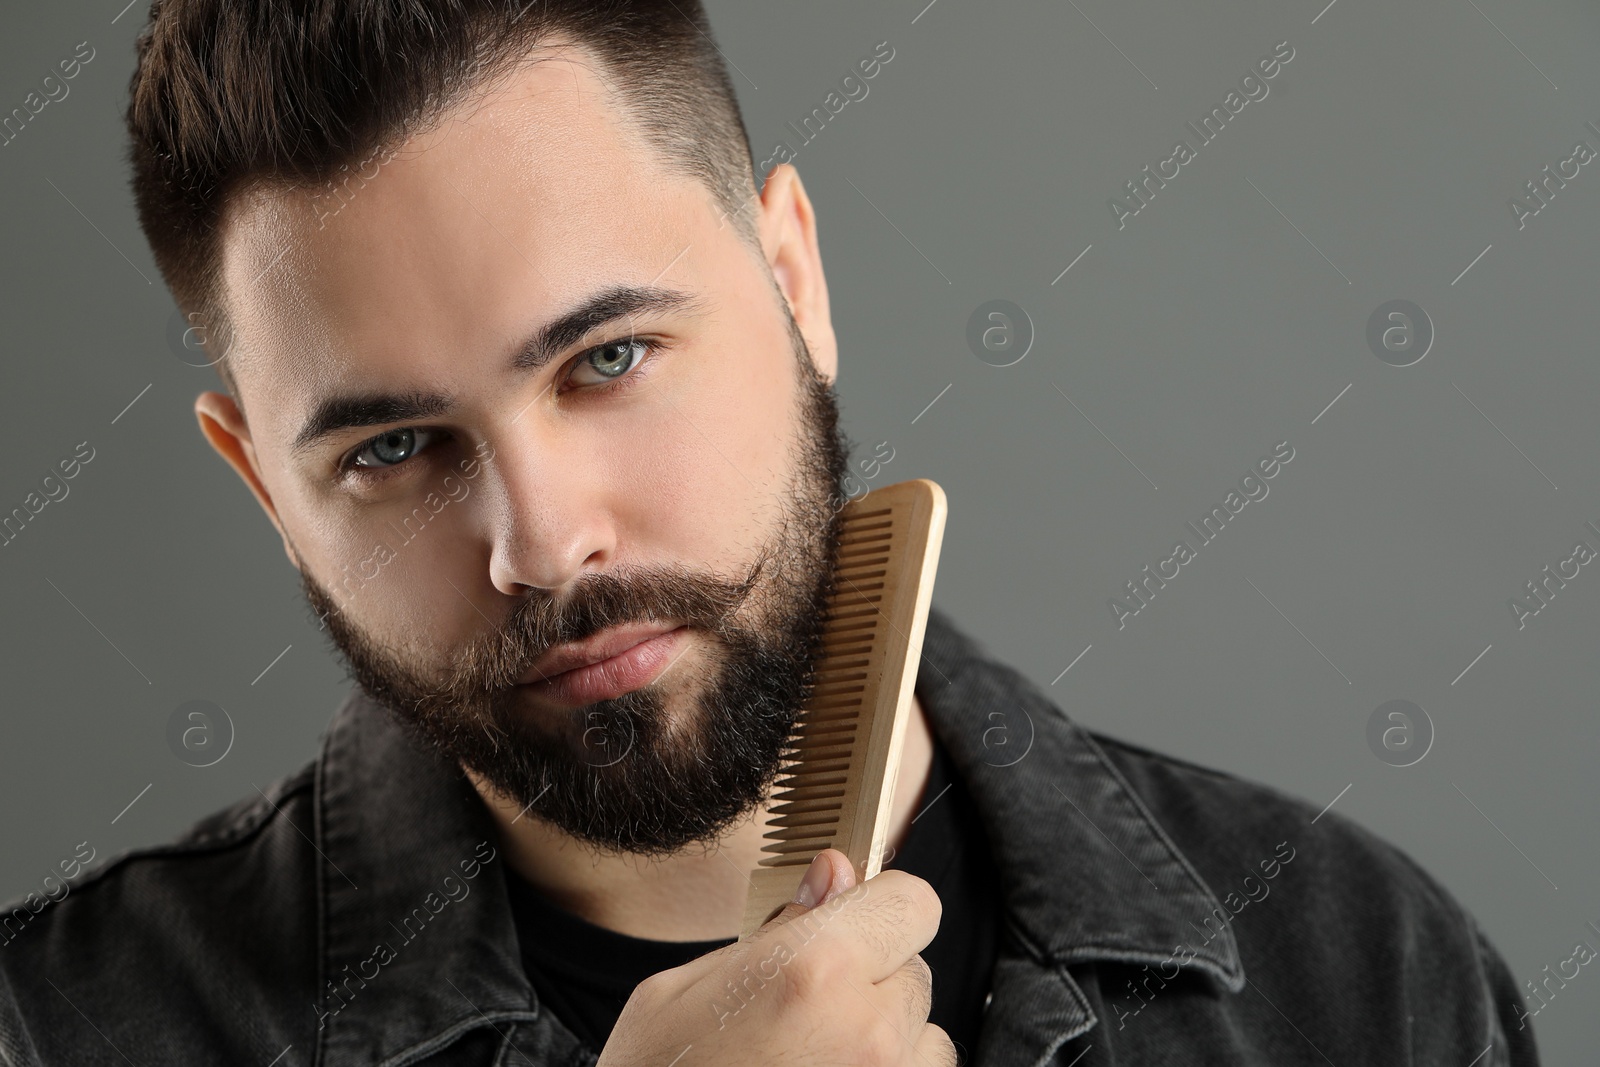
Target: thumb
[(830, 874)]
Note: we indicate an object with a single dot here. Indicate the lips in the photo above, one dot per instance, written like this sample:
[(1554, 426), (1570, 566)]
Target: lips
[(605, 665)]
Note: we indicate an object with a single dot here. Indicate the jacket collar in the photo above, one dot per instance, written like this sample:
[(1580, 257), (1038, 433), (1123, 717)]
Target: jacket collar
[(1086, 873), (395, 824), (1085, 870)]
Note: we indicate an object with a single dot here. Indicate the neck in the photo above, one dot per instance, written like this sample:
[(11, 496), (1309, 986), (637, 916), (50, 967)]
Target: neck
[(695, 895)]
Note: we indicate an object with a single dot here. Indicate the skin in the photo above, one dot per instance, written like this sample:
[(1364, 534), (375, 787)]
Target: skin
[(523, 201)]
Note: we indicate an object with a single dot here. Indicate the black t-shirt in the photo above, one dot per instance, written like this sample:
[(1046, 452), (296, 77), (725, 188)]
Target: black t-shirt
[(585, 973)]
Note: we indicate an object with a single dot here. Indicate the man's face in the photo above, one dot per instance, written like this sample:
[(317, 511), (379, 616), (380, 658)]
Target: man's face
[(518, 399)]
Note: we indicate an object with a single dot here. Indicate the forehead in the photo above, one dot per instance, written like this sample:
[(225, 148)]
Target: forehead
[(525, 197)]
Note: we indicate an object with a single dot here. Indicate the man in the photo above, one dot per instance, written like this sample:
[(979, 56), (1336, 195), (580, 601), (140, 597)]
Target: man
[(537, 389)]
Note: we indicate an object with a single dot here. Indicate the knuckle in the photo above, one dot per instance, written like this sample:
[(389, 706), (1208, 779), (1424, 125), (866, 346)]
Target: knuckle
[(921, 988), (655, 989), (943, 1049), (887, 918), (812, 976), (923, 897), (880, 1045), (908, 894)]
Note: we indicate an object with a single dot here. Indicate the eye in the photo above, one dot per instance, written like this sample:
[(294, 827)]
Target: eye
[(609, 361), (390, 448)]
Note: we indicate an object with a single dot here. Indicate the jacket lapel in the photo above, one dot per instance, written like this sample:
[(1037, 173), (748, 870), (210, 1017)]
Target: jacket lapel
[(1086, 873), (418, 943)]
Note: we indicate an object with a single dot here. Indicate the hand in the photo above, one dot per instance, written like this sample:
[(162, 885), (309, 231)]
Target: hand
[(834, 978)]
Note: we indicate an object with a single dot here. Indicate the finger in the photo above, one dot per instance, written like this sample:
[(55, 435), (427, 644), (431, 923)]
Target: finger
[(868, 931), (933, 1048), (842, 874), (897, 1012), (886, 921), (829, 874), (906, 996)]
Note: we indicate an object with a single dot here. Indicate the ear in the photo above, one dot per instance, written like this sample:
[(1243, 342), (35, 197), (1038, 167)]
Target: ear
[(223, 425), (789, 240)]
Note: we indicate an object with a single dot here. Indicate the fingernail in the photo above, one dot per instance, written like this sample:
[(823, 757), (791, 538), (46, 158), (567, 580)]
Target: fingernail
[(814, 886)]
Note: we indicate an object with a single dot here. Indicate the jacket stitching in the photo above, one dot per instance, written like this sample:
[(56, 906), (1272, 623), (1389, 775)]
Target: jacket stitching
[(450, 1034)]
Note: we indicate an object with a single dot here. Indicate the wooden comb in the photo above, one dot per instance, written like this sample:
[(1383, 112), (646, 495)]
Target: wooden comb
[(836, 787)]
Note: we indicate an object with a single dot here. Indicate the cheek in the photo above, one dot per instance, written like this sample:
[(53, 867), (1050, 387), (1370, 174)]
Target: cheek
[(728, 440), (712, 452), (385, 568)]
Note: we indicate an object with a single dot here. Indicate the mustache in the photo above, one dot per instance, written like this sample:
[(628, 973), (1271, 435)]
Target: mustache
[(497, 659)]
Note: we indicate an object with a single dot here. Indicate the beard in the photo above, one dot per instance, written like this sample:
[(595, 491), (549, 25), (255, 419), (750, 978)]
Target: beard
[(626, 775)]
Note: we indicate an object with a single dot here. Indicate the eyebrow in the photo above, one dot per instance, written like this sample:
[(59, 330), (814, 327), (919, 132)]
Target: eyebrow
[(334, 414)]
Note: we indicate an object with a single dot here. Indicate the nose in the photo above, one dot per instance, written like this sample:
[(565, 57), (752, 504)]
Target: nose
[(551, 524)]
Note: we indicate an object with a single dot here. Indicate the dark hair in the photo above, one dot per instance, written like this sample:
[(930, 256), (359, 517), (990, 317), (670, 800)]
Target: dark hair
[(229, 93)]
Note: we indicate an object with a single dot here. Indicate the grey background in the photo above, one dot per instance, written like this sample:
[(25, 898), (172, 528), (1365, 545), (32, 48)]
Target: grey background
[(1223, 319)]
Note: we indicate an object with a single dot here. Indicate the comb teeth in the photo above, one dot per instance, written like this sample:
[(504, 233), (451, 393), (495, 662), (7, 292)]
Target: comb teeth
[(808, 799), (836, 785)]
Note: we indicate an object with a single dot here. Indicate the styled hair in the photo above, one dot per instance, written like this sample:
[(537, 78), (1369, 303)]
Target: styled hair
[(230, 94)]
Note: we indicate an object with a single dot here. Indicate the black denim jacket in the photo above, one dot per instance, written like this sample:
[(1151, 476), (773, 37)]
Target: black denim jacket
[(1155, 913)]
